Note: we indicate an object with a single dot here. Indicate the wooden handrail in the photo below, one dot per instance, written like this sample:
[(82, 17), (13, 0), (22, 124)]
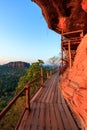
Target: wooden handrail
[(33, 80), (27, 88), (6, 109)]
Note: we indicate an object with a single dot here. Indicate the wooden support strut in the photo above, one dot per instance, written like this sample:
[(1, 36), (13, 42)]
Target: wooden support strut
[(70, 62), (70, 42)]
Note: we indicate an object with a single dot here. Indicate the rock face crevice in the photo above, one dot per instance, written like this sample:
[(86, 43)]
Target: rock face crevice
[(62, 15)]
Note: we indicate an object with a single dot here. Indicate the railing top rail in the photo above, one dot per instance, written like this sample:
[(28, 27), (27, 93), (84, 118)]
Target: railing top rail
[(6, 109), (30, 82)]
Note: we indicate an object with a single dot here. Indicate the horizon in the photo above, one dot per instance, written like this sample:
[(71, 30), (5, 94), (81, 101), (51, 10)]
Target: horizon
[(45, 62), (8, 61), (24, 33)]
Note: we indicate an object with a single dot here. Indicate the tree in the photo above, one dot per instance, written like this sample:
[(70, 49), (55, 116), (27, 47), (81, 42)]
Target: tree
[(32, 73), (54, 60)]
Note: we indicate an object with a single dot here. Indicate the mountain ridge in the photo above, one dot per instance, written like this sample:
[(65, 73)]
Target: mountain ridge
[(16, 64)]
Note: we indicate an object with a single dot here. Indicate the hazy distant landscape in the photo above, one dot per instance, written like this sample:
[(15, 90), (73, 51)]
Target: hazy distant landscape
[(13, 77), (9, 77)]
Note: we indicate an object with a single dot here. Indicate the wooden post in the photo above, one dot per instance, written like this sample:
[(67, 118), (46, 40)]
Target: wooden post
[(47, 75), (53, 70), (50, 72), (62, 50), (27, 96), (69, 54), (42, 80)]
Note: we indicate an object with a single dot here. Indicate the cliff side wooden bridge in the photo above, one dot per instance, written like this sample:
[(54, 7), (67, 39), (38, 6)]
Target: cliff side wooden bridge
[(69, 45), (47, 110)]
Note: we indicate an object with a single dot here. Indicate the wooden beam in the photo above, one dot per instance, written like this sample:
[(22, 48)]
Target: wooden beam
[(78, 31)]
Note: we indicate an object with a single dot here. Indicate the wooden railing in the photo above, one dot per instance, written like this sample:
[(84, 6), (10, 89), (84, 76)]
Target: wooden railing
[(27, 87), (6, 109), (27, 90)]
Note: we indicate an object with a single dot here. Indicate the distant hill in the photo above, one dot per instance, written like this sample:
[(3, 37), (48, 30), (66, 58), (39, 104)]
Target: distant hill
[(9, 77), (17, 64)]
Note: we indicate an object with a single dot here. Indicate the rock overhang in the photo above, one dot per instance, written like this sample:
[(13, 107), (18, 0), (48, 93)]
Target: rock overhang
[(62, 15)]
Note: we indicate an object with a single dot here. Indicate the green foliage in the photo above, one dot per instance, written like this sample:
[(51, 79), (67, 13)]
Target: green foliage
[(10, 120), (55, 60), (2, 104), (9, 78), (32, 73), (15, 112)]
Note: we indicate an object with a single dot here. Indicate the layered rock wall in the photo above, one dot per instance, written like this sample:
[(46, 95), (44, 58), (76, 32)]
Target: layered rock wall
[(74, 84)]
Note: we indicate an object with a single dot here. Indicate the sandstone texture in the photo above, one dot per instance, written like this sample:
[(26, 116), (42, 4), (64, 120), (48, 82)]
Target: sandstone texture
[(74, 84), (64, 15)]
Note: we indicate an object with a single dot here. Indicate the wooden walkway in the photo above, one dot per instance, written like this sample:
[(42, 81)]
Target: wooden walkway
[(49, 110)]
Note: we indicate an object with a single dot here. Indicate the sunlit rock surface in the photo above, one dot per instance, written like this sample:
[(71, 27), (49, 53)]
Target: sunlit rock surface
[(71, 15), (64, 15), (74, 84), (84, 5)]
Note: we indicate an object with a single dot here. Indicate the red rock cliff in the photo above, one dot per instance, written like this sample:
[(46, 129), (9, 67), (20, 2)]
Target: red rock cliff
[(71, 15), (66, 15), (74, 84)]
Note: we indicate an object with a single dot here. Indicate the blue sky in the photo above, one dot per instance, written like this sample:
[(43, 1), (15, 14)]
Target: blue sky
[(24, 34)]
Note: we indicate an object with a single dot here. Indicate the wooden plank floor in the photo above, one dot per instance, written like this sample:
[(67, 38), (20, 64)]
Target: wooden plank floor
[(49, 110)]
